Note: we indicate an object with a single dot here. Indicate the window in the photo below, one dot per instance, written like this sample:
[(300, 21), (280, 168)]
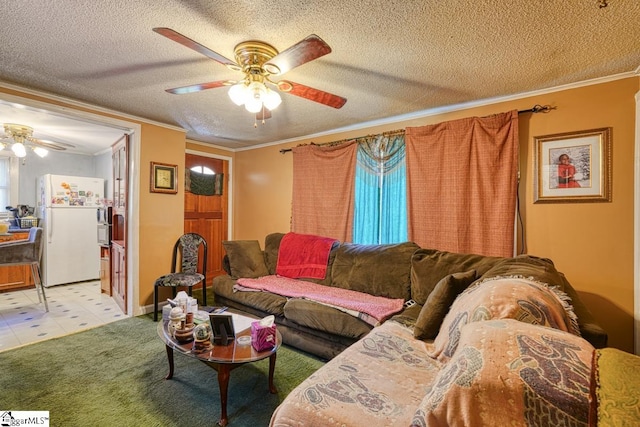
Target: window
[(8, 181), (380, 213), (203, 170)]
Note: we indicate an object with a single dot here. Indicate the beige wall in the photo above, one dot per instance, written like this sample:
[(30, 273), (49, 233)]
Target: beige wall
[(161, 215), (592, 243)]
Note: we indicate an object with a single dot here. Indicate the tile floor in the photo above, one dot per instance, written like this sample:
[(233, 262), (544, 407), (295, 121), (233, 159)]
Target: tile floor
[(72, 308)]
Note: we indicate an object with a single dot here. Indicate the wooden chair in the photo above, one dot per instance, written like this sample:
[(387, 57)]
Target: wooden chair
[(188, 246), (21, 252)]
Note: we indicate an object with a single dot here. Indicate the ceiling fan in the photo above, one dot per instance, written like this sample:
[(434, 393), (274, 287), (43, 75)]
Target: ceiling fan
[(22, 137), (259, 61)]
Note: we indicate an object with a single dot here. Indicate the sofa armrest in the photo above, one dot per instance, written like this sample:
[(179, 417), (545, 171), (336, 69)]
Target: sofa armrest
[(590, 329)]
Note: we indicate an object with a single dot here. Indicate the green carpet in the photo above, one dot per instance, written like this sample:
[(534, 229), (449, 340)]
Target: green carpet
[(114, 376)]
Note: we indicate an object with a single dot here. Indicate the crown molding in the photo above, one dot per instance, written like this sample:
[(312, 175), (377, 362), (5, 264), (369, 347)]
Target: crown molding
[(449, 109)]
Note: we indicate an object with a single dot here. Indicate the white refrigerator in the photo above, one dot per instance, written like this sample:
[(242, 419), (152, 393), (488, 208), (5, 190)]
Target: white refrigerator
[(66, 207)]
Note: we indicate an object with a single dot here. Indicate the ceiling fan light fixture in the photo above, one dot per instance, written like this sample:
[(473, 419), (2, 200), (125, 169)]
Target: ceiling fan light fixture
[(272, 99), (238, 93), (253, 105), (18, 149)]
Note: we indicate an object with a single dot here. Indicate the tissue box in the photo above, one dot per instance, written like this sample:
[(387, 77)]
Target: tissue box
[(263, 337)]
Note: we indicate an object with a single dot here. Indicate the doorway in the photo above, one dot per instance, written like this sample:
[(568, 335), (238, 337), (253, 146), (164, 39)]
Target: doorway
[(206, 210)]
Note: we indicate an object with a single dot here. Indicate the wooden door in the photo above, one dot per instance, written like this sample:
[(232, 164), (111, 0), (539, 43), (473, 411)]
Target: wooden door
[(208, 215)]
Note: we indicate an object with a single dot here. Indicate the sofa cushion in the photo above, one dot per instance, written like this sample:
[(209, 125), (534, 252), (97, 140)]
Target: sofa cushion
[(429, 266), (245, 258), (271, 248), (377, 381), (438, 303), (507, 372), (543, 269), (590, 329), (262, 301), (540, 269), (615, 388), (325, 318), (516, 298), (382, 270)]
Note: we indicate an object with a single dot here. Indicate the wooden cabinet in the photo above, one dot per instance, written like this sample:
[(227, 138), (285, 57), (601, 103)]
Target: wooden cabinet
[(119, 160), (105, 270), (17, 276)]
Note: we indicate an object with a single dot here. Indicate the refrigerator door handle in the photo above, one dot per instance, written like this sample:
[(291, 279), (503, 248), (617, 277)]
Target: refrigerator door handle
[(48, 222)]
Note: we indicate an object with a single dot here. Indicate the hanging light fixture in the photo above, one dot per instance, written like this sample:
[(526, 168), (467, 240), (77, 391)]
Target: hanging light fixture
[(254, 94), (20, 138)]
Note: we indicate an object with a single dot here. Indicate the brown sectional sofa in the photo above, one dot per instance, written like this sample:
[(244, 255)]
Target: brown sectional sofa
[(395, 271), (489, 340)]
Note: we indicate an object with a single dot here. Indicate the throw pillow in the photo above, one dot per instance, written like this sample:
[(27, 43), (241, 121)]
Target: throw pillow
[(507, 372), (245, 258), (429, 266), (437, 305), (271, 248), (515, 297), (615, 388)]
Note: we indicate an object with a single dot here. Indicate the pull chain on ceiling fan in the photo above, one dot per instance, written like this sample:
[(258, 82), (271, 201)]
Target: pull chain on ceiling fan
[(259, 61)]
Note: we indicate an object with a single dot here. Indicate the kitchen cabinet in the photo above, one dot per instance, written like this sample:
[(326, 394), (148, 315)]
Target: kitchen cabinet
[(119, 160), (17, 276)]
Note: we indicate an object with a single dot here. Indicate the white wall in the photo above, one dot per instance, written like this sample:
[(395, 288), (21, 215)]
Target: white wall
[(59, 164)]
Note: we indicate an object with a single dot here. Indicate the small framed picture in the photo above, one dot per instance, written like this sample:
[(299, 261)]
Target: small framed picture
[(164, 178), (222, 328), (573, 167)]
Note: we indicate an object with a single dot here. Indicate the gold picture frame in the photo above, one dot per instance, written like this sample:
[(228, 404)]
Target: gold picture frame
[(164, 178), (573, 167)]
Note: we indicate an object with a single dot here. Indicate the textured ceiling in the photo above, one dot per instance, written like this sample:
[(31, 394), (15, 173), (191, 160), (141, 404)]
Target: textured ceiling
[(389, 59)]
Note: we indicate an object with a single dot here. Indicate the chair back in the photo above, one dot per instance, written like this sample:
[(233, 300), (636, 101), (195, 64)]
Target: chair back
[(23, 251), (188, 245), (35, 237)]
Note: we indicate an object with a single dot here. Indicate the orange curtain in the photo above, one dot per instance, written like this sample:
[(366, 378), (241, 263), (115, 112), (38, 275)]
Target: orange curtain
[(323, 190), (462, 184)]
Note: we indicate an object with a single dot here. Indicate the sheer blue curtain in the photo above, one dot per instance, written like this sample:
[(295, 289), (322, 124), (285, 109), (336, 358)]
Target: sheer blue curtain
[(380, 212)]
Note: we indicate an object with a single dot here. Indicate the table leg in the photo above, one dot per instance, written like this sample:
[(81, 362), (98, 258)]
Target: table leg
[(272, 368), (170, 359), (224, 372)]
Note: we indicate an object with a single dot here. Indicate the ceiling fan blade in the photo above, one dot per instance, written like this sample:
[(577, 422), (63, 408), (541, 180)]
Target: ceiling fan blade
[(312, 94), (191, 44), (60, 146), (310, 48), (197, 88)]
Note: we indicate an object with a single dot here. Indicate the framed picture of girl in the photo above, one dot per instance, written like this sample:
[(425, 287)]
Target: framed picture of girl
[(573, 167)]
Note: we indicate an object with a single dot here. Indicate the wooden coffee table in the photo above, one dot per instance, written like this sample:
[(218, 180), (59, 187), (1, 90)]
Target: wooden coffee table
[(223, 359)]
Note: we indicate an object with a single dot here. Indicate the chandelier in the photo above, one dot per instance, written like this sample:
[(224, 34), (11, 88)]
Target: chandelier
[(20, 138)]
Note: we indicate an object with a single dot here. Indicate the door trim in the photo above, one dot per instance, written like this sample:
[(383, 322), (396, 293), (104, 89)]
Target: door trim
[(636, 233)]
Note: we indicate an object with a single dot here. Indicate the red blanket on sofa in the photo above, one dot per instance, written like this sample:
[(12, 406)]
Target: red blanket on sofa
[(379, 308), (304, 256)]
